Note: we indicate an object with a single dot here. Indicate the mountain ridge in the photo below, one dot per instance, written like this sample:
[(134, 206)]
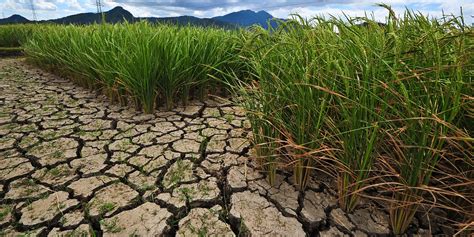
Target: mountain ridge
[(247, 18), (15, 18), (244, 18)]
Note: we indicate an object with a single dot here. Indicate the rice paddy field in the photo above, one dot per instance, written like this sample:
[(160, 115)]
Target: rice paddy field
[(384, 112)]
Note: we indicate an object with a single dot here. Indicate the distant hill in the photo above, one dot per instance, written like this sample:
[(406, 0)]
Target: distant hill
[(185, 20), (118, 14), (247, 18), (14, 19)]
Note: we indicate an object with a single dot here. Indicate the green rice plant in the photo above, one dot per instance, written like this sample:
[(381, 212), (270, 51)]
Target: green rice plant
[(265, 134), (338, 89), (188, 57), (258, 104), (362, 106), (430, 61), (305, 87), (289, 102), (15, 35), (140, 63)]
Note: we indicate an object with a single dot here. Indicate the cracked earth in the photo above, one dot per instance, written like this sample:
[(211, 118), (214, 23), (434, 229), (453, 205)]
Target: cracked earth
[(72, 164)]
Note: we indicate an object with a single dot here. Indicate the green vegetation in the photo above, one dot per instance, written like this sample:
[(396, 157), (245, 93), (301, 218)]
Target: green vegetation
[(139, 64), (12, 36), (5, 210), (379, 106), (111, 226), (186, 194), (106, 207), (176, 173)]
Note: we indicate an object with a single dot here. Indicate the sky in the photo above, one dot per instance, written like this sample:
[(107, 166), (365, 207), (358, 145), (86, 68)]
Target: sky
[(49, 9)]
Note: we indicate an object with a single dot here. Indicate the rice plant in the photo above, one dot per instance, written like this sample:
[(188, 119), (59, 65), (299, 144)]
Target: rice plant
[(142, 64), (357, 94), (430, 59), (14, 35), (288, 102), (361, 76)]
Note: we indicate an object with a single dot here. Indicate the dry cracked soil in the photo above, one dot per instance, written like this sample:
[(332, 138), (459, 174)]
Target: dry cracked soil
[(73, 164)]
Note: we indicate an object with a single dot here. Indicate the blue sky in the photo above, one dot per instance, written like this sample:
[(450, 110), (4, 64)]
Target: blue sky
[(47, 9)]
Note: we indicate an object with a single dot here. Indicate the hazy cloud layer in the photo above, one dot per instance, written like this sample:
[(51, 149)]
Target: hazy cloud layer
[(47, 9)]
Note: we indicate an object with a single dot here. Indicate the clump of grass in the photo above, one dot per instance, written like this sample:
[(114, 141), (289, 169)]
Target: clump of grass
[(4, 211), (106, 207), (111, 226)]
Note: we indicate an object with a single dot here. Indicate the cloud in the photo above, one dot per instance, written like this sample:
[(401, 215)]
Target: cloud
[(209, 5), (283, 8), (47, 9), (41, 5), (73, 5), (45, 5), (359, 10)]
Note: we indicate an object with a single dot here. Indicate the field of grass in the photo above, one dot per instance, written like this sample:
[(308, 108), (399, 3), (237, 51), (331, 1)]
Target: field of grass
[(147, 66), (386, 107), (15, 35)]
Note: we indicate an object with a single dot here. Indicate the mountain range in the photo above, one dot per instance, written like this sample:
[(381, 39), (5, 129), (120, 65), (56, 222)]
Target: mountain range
[(243, 18)]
